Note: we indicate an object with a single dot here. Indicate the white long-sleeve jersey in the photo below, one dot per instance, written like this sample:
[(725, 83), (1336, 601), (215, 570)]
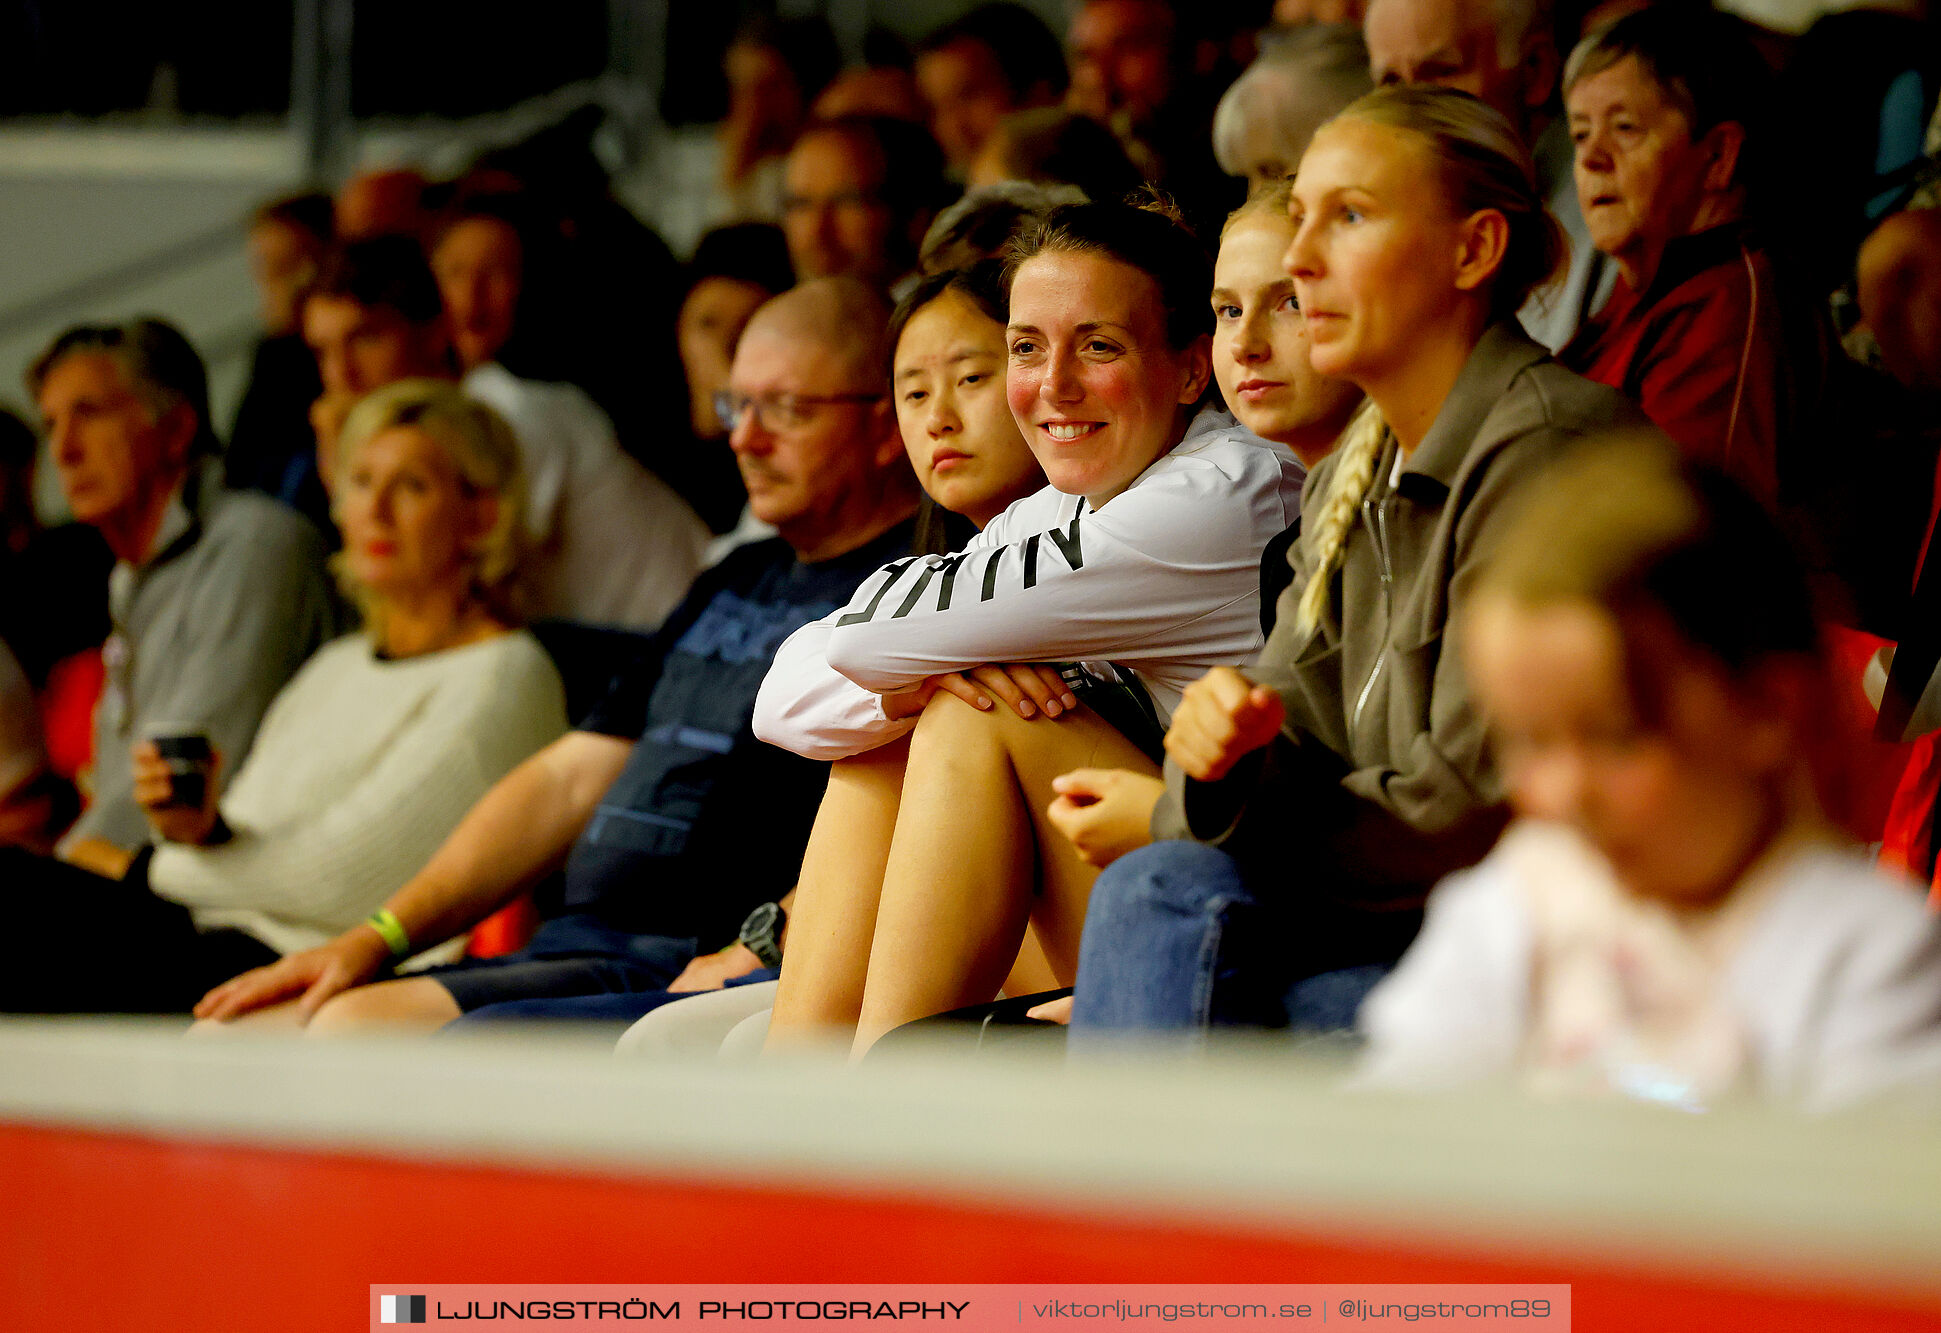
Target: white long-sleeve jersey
[(1164, 580)]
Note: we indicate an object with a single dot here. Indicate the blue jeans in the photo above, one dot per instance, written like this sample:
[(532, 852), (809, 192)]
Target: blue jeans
[(1176, 942)]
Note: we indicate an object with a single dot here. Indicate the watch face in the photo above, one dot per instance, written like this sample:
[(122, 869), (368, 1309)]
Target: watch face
[(761, 921), (758, 934)]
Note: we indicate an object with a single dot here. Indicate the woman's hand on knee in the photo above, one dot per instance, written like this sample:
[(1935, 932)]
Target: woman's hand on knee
[(316, 975), (1221, 718), (1104, 812), (1031, 689)]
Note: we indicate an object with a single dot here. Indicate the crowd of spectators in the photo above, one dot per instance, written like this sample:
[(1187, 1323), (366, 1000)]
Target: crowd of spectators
[(1330, 518)]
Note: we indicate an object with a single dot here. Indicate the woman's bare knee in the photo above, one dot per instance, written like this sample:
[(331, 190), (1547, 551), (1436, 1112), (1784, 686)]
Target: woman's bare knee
[(948, 716), (410, 1004), (1037, 748), (276, 1018)]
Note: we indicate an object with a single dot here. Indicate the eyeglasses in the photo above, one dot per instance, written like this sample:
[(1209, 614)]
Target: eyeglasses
[(781, 411)]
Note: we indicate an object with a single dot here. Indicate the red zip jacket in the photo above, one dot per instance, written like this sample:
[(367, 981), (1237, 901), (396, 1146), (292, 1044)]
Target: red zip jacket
[(1704, 350)]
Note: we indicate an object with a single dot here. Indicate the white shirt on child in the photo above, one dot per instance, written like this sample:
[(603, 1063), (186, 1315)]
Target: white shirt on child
[(1818, 983)]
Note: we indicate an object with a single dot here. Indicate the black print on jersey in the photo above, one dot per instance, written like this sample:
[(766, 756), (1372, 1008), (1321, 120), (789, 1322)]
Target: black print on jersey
[(916, 591), (1067, 544), (949, 570), (944, 570), (890, 572), (990, 575)]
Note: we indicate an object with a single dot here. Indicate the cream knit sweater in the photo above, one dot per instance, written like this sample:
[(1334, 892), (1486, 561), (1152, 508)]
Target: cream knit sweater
[(360, 770)]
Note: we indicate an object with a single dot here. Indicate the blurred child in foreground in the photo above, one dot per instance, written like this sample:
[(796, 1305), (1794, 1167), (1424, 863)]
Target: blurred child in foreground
[(1672, 918)]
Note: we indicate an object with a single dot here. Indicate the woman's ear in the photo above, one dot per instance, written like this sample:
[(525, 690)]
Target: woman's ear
[(1482, 240), (179, 426), (1722, 144), (1540, 70), (1196, 368)]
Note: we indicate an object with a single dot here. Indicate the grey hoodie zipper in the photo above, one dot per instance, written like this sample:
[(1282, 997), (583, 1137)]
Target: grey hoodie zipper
[(1375, 515)]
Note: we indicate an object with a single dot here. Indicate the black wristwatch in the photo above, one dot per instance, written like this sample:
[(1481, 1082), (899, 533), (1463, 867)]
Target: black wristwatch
[(761, 933)]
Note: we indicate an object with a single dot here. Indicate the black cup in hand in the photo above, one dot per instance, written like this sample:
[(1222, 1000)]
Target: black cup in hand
[(189, 760)]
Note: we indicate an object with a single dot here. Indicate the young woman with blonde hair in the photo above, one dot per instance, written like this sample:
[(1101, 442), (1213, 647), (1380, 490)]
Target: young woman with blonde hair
[(1324, 789)]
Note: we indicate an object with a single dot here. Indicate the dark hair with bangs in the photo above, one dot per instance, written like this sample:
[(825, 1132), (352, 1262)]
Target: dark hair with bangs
[(982, 284), (939, 531)]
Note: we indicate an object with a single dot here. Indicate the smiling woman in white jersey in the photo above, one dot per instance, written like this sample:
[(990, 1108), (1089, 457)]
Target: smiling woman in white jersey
[(1139, 560)]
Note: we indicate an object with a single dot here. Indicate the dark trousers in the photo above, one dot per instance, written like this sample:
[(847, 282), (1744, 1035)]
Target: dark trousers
[(73, 942)]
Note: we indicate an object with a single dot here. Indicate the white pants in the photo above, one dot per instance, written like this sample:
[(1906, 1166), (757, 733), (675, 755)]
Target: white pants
[(732, 1021)]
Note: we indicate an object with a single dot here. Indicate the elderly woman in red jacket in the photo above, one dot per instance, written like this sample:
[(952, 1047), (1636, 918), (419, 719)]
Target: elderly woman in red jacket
[(1664, 112)]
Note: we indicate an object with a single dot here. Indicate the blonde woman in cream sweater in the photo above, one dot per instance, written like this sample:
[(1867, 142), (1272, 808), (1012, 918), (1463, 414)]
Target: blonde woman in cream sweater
[(364, 761)]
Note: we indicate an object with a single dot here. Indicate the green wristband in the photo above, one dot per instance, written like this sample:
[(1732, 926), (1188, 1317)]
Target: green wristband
[(385, 922)]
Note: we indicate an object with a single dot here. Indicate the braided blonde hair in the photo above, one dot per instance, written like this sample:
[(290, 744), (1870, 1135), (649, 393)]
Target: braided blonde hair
[(1482, 165), (1354, 457)]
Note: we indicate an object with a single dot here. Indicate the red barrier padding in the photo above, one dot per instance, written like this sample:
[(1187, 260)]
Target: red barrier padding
[(108, 1232)]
